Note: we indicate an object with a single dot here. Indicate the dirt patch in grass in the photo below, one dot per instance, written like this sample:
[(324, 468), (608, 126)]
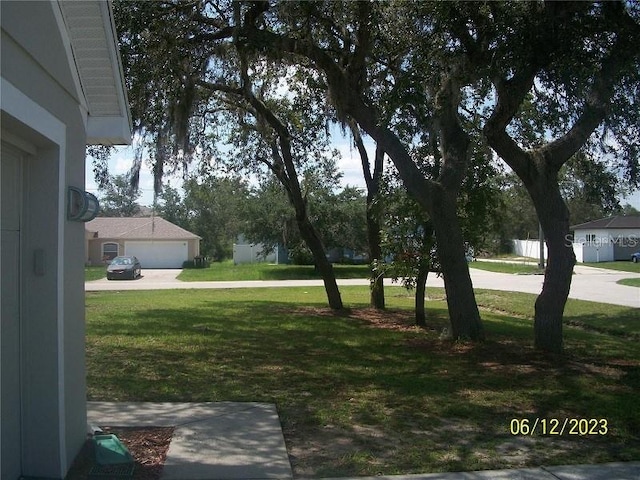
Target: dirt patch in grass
[(147, 445), (400, 320)]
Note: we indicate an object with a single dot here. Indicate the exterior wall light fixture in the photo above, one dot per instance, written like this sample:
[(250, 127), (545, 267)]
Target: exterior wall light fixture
[(81, 206)]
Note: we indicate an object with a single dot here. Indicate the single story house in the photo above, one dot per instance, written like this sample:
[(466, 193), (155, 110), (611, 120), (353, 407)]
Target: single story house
[(62, 88), (156, 242), (607, 239)]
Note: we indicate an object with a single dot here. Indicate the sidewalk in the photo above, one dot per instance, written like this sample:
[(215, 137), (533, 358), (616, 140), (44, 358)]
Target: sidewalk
[(244, 441), (605, 471)]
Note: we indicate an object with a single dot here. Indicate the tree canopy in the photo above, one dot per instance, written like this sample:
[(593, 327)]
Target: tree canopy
[(438, 86)]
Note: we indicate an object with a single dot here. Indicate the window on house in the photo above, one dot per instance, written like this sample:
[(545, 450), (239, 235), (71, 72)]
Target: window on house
[(109, 251), (591, 238)]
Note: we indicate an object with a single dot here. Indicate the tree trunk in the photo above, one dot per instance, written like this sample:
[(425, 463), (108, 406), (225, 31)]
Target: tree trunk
[(440, 204), (421, 291), (283, 167), (324, 267), (372, 180), (461, 302), (463, 311), (549, 308), (375, 253)]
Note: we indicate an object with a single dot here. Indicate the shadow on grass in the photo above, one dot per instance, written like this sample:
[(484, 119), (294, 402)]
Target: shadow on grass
[(361, 392), (625, 323)]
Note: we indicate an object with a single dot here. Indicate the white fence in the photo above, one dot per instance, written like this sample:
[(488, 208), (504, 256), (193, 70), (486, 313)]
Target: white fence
[(584, 252), (528, 248), (250, 253)]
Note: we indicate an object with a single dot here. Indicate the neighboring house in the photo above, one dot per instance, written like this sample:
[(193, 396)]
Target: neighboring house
[(61, 89), (156, 242), (607, 239)]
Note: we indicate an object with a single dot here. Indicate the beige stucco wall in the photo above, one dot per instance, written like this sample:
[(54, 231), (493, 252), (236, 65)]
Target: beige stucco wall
[(95, 249), (194, 248)]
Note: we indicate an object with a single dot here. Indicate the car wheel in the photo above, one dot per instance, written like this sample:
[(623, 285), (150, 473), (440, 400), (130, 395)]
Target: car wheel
[(634, 259)]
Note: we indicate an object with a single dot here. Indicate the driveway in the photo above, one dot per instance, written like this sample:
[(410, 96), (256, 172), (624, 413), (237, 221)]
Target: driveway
[(151, 279), (588, 283), (594, 284)]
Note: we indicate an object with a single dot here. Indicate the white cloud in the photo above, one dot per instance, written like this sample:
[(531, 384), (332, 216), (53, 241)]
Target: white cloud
[(350, 165)]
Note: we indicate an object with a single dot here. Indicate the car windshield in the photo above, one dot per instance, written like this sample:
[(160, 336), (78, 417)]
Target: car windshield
[(121, 261)]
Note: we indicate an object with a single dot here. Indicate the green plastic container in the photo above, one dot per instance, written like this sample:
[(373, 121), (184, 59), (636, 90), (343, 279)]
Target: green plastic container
[(111, 451)]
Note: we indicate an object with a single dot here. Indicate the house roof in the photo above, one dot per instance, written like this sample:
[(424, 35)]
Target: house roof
[(138, 228), (621, 221)]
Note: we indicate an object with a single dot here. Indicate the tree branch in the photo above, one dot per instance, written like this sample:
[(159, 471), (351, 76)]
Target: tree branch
[(364, 156), (510, 95), (347, 100), (219, 87), (455, 142), (595, 111)]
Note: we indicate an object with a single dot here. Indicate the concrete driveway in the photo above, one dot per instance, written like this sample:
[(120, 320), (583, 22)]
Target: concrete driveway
[(594, 284), (588, 283), (151, 279)]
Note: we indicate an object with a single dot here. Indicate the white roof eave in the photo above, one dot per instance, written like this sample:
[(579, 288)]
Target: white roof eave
[(94, 44)]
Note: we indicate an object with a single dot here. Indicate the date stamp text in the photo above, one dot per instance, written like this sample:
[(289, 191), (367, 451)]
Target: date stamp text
[(559, 426)]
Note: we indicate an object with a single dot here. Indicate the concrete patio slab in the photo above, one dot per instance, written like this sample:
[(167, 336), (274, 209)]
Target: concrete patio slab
[(211, 441)]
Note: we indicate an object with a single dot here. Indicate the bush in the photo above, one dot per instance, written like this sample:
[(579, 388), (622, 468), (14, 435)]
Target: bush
[(301, 255)]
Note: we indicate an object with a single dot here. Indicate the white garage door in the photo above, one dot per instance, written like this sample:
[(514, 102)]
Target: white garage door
[(158, 254)]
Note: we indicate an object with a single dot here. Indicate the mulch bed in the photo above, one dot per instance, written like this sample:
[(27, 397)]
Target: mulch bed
[(147, 445)]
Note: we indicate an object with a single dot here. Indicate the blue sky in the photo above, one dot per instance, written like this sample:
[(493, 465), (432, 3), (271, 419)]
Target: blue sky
[(350, 166)]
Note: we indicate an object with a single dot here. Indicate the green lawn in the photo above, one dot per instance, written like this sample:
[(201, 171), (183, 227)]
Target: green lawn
[(94, 273), (363, 393), (632, 282), (227, 271), (624, 266), (505, 267)]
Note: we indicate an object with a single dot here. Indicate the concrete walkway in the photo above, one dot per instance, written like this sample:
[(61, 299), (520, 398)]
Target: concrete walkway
[(594, 284), (211, 441), (244, 441)]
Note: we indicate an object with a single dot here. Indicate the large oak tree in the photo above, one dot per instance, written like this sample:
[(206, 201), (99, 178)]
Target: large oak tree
[(564, 77)]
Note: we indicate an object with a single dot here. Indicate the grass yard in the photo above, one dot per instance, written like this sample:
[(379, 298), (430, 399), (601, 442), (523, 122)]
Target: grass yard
[(365, 393), (632, 282), (623, 266), (94, 273), (521, 268), (227, 271)]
